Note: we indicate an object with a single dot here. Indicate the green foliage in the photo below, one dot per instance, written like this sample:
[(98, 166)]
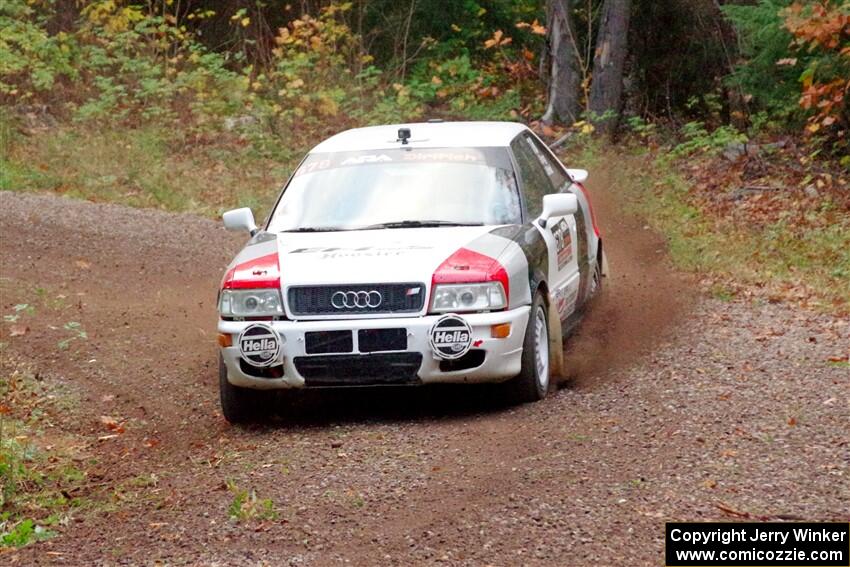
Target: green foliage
[(641, 128), (162, 119), (699, 140), (35, 483), (764, 42), (31, 60), (77, 333), (796, 66), (246, 506), (18, 474), (22, 533)]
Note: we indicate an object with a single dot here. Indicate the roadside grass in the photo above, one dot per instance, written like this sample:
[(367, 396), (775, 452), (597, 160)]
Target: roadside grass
[(43, 482), (784, 260), (152, 166), (246, 506)]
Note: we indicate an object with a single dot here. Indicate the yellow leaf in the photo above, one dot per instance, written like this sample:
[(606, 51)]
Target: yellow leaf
[(537, 29), (246, 21), (328, 106)]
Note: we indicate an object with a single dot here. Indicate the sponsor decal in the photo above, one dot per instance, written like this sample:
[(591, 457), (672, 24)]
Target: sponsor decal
[(563, 242), (259, 345), (358, 160), (444, 156), (322, 161), (565, 301), (450, 337), (364, 251)]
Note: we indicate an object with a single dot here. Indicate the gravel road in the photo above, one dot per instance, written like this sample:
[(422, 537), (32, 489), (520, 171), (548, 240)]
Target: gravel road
[(678, 407)]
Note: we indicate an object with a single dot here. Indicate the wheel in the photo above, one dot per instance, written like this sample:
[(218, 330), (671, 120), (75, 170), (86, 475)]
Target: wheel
[(532, 384), (239, 405)]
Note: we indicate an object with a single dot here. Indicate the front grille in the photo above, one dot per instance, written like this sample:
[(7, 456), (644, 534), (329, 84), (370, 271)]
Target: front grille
[(359, 369), (319, 300)]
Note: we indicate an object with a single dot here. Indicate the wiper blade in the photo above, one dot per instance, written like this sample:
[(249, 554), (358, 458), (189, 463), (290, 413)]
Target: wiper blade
[(316, 229), (418, 224)]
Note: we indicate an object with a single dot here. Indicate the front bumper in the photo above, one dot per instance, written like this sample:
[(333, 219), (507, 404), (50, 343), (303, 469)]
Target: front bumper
[(502, 359)]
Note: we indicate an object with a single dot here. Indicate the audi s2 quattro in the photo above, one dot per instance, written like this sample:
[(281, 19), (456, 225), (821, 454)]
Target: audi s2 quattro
[(442, 252)]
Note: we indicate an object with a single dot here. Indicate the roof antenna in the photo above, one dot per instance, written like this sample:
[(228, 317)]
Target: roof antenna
[(403, 135)]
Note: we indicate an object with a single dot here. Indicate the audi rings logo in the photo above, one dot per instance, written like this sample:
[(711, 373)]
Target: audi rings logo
[(356, 299)]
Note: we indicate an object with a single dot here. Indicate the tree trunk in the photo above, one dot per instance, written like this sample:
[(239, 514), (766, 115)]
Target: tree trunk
[(606, 90), (564, 68)]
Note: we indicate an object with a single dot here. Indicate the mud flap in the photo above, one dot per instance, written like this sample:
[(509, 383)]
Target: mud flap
[(556, 345)]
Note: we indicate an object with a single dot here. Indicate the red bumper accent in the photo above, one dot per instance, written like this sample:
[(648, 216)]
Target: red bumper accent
[(262, 272)]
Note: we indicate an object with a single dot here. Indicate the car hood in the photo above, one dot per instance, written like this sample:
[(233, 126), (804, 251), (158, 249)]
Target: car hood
[(369, 256)]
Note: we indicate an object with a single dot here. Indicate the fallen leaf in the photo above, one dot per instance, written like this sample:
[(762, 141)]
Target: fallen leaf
[(18, 330), (112, 424), (710, 483), (83, 265), (792, 421)]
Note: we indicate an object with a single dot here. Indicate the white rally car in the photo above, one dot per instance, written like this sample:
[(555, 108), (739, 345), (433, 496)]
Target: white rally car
[(410, 254)]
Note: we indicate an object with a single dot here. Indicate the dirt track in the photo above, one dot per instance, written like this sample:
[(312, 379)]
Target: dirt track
[(678, 407)]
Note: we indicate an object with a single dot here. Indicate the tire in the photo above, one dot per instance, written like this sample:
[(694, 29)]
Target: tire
[(240, 405), (534, 379)]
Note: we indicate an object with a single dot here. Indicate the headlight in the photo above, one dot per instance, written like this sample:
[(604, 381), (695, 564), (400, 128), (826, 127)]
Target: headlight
[(468, 297), (250, 303)]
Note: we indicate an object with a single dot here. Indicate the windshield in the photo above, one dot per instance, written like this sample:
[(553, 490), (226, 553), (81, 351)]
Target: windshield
[(400, 188)]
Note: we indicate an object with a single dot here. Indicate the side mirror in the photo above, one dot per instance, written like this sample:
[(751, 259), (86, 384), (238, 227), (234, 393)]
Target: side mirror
[(558, 205), (240, 220), (578, 175)]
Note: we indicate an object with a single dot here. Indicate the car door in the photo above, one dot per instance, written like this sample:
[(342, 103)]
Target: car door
[(559, 233), (584, 226)]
